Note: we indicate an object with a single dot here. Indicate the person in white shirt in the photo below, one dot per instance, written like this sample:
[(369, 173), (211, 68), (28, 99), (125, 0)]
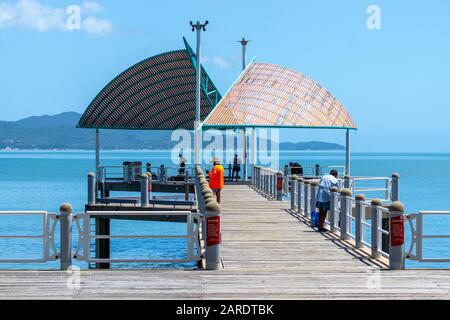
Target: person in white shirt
[(323, 201)]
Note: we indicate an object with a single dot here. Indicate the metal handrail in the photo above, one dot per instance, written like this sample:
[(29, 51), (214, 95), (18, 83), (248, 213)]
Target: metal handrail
[(130, 172), (83, 248)]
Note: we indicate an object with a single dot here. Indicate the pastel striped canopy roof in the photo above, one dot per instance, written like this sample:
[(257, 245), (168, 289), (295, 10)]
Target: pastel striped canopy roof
[(267, 95), (155, 94)]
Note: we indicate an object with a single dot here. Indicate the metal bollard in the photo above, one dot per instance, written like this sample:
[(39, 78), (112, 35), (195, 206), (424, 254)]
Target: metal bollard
[(360, 214), (347, 181), (294, 185), (65, 219), (258, 176), (314, 188), (300, 194), (213, 236), (346, 207), (144, 191), (307, 192), (279, 186), (312, 202), (375, 226), (394, 187), (397, 236), (334, 194), (92, 194), (269, 184)]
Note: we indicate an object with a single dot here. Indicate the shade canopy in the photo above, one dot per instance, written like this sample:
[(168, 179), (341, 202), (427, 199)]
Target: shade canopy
[(155, 94), (267, 95)]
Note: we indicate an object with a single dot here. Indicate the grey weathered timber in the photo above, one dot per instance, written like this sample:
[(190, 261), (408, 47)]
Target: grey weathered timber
[(65, 219), (268, 253)]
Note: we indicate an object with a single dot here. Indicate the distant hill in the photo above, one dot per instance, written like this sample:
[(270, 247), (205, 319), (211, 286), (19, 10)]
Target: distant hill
[(60, 132)]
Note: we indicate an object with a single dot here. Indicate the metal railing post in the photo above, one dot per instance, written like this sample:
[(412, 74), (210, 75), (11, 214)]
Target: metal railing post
[(333, 203), (266, 181), (294, 186), (213, 236), (375, 226), (92, 193), (397, 236), (65, 219), (360, 214), (317, 170), (144, 191), (394, 187), (269, 186), (307, 188), (279, 186), (258, 177), (346, 206), (313, 196)]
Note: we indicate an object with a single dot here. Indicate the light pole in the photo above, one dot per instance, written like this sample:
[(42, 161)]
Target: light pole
[(197, 126), (244, 43)]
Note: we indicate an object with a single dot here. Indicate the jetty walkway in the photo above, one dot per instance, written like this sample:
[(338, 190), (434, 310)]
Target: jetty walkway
[(268, 252)]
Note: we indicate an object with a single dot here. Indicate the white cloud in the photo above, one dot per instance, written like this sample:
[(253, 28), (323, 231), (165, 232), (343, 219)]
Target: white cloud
[(218, 61), (34, 15), (7, 14), (97, 27)]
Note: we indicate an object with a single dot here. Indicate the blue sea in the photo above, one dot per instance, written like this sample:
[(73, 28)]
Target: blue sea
[(42, 180)]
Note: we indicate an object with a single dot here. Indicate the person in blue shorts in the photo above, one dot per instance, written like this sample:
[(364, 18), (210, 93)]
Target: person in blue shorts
[(323, 200)]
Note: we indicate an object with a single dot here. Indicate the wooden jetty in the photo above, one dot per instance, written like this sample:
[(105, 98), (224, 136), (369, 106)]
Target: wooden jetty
[(268, 252)]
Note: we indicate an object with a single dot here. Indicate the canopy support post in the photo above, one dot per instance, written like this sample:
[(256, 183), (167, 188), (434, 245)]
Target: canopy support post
[(97, 152), (244, 151), (244, 43), (347, 152), (198, 127)]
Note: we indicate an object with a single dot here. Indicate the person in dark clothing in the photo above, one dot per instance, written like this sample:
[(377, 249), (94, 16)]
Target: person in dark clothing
[(296, 169), (182, 169)]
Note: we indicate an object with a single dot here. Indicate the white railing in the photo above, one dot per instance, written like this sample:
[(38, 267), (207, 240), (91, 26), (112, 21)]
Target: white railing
[(417, 236), (47, 236), (82, 252)]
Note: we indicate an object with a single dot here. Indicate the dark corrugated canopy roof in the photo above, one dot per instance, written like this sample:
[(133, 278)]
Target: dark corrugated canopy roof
[(155, 94)]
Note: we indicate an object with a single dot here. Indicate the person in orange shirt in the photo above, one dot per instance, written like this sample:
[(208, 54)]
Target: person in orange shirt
[(216, 178)]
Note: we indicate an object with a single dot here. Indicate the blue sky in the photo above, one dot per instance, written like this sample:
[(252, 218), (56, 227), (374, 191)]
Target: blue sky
[(395, 81)]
